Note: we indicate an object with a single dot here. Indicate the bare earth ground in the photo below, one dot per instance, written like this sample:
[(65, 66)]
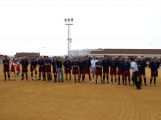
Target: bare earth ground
[(39, 100)]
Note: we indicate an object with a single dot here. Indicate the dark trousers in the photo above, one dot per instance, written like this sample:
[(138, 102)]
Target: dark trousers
[(49, 76), (32, 74), (5, 75), (24, 73), (136, 80)]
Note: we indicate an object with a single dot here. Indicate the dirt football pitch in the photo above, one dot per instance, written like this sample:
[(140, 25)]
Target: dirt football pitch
[(42, 100)]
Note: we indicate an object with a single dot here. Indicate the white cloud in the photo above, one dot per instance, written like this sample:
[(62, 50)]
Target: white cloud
[(31, 25)]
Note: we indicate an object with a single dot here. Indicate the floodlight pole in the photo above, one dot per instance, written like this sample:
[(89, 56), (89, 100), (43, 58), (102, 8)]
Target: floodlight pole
[(69, 22)]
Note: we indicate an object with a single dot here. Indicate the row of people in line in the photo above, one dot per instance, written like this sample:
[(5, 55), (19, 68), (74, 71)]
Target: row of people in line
[(118, 69)]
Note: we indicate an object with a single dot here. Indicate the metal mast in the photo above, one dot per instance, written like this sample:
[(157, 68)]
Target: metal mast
[(69, 22)]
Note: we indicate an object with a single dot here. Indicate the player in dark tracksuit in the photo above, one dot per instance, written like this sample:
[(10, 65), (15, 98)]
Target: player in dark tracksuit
[(141, 66), (113, 66), (48, 68), (75, 69), (54, 69), (87, 65), (126, 72), (67, 66), (120, 65), (99, 70), (41, 64), (154, 65), (59, 64), (106, 64), (24, 64), (33, 67), (6, 67), (81, 68)]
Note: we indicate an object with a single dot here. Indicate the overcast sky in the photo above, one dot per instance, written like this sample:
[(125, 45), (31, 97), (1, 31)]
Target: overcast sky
[(38, 25)]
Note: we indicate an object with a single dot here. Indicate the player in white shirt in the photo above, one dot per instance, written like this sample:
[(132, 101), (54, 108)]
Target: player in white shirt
[(135, 77), (93, 66)]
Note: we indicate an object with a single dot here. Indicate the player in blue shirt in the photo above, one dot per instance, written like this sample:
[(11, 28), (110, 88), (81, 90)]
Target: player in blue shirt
[(113, 66), (120, 66), (33, 68), (87, 65), (67, 66), (141, 66), (99, 69), (48, 68), (126, 71), (106, 64), (24, 64), (54, 68), (81, 68), (75, 69), (41, 64), (154, 65)]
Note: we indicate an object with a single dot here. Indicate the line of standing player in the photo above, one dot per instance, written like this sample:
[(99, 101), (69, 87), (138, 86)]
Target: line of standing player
[(109, 70)]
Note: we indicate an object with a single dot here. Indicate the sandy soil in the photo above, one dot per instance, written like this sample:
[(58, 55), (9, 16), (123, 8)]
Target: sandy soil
[(40, 100)]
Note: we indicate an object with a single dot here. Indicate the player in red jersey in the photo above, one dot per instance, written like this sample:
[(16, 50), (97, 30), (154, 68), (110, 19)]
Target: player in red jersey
[(12, 69), (17, 68)]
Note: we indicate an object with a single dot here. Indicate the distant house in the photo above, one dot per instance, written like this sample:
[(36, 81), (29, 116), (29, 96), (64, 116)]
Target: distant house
[(82, 52), (1, 56), (127, 52), (26, 54)]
